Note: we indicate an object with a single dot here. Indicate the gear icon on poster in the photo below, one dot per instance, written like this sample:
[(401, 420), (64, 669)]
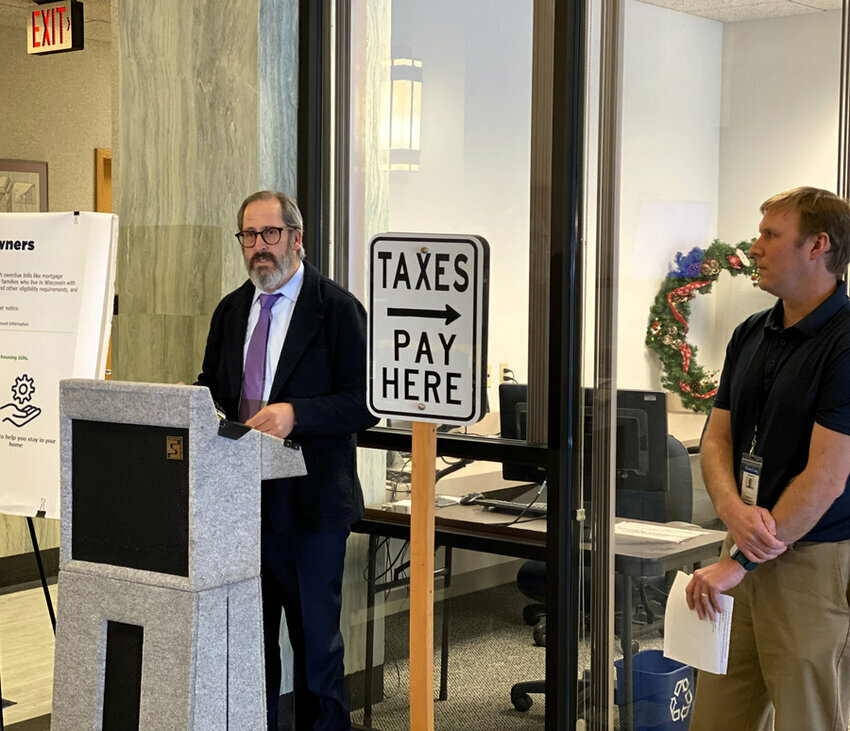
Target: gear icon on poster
[(19, 411), (23, 389)]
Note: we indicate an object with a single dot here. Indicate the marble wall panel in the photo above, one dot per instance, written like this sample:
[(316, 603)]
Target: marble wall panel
[(200, 330), (15, 534), (136, 277), (172, 269), (278, 95), (181, 361), (233, 272), (188, 156), (138, 344)]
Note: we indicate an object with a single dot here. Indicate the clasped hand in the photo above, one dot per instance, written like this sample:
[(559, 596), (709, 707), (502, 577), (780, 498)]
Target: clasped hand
[(754, 531), (275, 419)]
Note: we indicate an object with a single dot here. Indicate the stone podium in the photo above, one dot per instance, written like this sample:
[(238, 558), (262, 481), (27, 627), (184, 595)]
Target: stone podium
[(159, 620)]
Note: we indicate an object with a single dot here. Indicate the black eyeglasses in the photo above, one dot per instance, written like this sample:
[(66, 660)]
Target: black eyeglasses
[(269, 234)]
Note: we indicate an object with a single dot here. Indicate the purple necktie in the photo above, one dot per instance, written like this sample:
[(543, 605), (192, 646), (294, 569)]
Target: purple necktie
[(255, 361)]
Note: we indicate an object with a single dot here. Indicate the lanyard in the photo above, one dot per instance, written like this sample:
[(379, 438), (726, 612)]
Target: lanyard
[(769, 346)]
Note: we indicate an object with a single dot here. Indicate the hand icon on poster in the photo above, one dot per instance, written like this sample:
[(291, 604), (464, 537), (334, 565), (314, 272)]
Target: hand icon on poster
[(18, 412), (19, 415)]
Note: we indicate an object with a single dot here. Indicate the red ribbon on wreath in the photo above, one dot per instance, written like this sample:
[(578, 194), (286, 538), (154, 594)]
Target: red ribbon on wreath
[(684, 292), (685, 350), (687, 389)]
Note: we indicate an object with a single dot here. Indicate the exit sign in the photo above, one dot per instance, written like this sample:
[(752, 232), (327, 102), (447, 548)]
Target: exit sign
[(55, 28)]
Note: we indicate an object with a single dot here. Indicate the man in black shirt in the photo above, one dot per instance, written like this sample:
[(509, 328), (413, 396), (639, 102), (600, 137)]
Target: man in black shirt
[(776, 460)]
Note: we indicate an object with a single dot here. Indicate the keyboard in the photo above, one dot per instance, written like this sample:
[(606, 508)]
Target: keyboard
[(510, 506)]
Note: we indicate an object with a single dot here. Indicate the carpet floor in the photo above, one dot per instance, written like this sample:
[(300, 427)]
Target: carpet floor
[(491, 648)]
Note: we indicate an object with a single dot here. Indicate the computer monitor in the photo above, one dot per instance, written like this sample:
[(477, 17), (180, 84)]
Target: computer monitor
[(641, 461), (513, 420)]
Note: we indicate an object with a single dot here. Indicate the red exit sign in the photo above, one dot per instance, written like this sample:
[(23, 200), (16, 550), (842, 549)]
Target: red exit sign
[(55, 27)]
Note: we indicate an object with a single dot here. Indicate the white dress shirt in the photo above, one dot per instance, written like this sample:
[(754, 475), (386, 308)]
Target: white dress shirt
[(281, 316)]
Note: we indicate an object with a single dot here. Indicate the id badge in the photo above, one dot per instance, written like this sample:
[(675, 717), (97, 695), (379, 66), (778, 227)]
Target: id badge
[(751, 465)]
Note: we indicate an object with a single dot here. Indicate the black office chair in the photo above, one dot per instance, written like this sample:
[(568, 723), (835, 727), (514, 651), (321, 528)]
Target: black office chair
[(531, 581), (676, 504)]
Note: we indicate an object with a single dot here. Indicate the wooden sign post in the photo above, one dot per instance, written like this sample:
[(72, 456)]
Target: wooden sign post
[(422, 577), (427, 363)]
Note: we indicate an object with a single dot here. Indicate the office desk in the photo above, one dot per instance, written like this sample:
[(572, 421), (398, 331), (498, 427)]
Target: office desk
[(473, 528)]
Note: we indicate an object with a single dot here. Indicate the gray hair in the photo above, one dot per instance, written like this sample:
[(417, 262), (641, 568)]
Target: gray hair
[(288, 209)]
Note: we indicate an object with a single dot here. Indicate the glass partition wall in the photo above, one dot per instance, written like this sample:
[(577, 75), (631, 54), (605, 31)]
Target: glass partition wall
[(451, 132), (615, 156), (717, 110)]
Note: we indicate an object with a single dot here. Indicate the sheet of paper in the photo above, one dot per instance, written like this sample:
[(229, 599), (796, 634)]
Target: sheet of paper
[(702, 644), (656, 532)]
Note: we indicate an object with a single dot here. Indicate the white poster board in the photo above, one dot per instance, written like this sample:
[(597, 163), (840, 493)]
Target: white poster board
[(57, 273)]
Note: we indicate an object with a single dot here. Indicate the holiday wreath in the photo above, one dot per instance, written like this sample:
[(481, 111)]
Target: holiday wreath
[(667, 333)]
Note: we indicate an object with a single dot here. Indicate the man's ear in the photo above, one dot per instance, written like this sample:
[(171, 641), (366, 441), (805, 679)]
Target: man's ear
[(296, 240), (819, 245)]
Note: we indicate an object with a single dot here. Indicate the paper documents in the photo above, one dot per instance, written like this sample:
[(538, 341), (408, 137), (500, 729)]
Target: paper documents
[(702, 644), (656, 532)]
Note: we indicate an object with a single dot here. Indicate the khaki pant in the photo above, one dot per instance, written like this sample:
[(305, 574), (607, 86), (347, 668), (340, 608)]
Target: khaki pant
[(788, 652)]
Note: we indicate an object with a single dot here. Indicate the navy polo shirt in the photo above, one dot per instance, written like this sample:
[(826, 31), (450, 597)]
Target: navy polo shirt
[(783, 381)]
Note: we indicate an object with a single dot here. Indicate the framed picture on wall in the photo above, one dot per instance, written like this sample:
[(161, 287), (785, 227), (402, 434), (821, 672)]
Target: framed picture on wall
[(23, 186)]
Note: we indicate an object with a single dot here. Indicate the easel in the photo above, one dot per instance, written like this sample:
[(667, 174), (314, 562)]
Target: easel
[(47, 599)]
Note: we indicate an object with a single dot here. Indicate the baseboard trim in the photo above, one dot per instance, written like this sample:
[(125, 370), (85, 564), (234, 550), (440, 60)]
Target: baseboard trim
[(23, 569)]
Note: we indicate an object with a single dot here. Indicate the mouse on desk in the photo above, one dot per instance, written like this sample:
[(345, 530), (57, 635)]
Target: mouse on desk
[(470, 498)]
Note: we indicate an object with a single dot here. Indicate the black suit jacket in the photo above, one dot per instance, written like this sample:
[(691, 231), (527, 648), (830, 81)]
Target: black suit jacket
[(322, 373)]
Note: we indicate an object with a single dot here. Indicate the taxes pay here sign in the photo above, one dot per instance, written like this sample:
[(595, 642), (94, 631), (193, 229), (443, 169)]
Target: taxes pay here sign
[(428, 297)]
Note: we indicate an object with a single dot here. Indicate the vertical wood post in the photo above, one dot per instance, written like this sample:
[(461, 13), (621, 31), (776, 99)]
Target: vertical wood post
[(422, 577)]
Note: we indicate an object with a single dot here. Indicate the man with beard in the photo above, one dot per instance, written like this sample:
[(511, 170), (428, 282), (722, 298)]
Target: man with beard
[(286, 354)]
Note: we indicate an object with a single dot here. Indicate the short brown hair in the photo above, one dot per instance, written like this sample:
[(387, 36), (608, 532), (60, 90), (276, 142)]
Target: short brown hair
[(820, 211), (289, 211)]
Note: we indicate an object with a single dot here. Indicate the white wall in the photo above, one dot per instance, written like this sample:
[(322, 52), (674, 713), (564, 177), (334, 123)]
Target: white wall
[(779, 114), (669, 164), (716, 118), (779, 130), (474, 172)]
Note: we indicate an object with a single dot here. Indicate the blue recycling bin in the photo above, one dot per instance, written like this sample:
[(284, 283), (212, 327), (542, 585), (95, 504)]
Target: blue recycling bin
[(662, 692)]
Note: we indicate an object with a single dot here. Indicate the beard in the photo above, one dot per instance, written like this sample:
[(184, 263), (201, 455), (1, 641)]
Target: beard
[(269, 279)]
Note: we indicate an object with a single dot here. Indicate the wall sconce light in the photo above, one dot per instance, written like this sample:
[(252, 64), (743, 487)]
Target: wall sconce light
[(405, 113)]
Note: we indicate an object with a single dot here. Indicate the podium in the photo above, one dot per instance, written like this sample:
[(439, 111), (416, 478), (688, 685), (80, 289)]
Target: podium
[(159, 621)]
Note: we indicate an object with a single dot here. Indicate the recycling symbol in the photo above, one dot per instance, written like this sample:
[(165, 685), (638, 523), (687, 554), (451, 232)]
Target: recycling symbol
[(682, 700)]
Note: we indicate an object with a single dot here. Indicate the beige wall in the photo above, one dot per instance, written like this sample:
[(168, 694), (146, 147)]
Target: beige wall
[(57, 109)]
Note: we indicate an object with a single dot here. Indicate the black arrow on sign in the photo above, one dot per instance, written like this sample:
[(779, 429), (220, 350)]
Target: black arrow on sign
[(449, 313)]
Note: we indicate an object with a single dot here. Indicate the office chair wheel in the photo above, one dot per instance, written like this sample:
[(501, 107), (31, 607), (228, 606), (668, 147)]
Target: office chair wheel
[(539, 633), (522, 702), (531, 614)]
